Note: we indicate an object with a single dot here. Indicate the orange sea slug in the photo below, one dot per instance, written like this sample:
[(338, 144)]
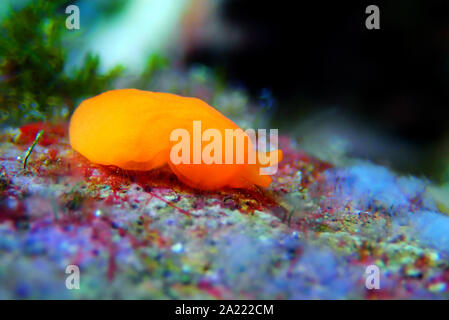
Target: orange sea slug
[(132, 129)]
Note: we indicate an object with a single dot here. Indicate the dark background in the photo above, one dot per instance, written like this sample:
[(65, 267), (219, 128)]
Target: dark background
[(313, 54)]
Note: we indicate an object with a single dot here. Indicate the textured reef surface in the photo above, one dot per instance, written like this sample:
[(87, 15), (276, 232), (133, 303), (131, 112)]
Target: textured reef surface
[(310, 235)]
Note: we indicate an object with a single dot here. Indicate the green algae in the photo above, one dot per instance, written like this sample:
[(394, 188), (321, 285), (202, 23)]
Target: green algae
[(33, 83)]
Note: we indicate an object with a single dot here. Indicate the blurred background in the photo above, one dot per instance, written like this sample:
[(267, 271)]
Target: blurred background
[(313, 68)]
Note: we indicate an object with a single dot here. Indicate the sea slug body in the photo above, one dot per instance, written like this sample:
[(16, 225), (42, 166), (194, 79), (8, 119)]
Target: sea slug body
[(132, 129)]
